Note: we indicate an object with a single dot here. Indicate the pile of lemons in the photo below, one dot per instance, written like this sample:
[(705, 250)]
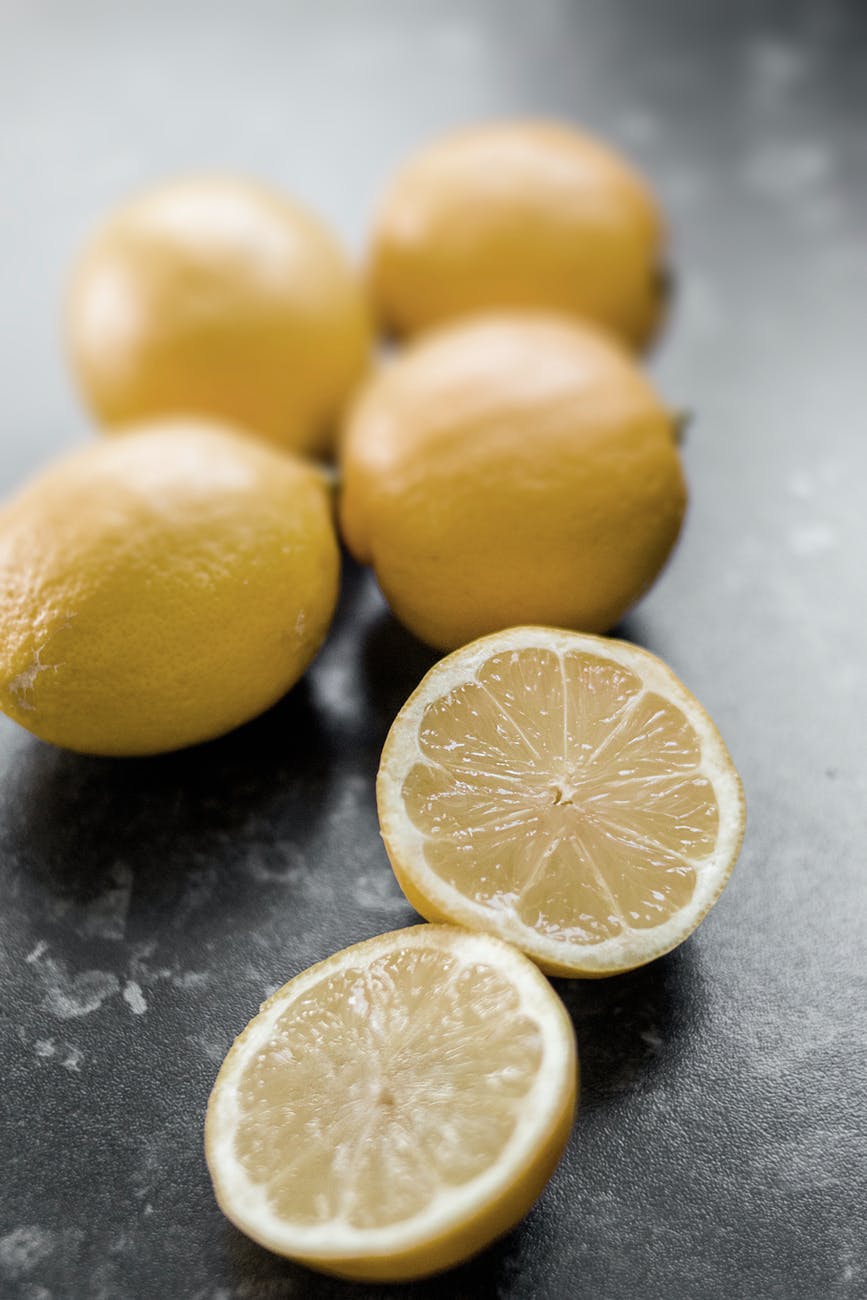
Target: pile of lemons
[(513, 479), (512, 465)]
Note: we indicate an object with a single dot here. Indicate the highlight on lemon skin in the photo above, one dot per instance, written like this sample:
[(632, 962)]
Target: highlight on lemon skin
[(218, 296), (564, 792), (511, 468), (159, 589), (395, 1108), (519, 214)]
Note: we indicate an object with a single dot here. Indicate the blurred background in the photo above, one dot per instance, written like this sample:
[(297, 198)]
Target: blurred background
[(721, 1152)]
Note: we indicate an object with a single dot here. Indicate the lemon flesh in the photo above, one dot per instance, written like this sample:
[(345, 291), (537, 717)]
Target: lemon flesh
[(394, 1108), (565, 792)]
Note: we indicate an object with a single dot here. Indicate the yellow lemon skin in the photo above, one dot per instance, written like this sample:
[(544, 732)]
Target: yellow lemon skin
[(160, 589), (511, 469), (221, 297), (519, 214)]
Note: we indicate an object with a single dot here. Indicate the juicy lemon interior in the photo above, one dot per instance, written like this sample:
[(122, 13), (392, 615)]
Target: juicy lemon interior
[(558, 787), (384, 1085)]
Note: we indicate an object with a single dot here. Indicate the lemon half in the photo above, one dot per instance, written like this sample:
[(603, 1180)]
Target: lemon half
[(565, 792), (393, 1109)]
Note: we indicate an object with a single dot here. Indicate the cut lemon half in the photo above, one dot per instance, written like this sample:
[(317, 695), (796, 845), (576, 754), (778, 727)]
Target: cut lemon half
[(392, 1110), (565, 792)]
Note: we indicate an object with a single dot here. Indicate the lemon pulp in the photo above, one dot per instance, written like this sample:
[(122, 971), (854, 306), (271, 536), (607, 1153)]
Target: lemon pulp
[(381, 1092)]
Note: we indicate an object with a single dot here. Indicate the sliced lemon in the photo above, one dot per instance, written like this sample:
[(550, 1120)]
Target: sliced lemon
[(395, 1108), (565, 792)]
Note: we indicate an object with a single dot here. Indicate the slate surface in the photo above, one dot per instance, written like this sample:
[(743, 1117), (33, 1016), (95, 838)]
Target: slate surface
[(147, 907)]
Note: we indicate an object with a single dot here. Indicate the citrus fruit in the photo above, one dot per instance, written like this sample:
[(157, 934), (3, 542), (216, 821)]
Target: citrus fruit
[(159, 589), (394, 1108), (511, 469), (565, 792), (519, 214), (218, 296)]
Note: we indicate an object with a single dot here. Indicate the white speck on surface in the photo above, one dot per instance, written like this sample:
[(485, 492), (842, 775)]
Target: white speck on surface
[(105, 917), (811, 539), (213, 1051), (65, 1053), (300, 624), (69, 997), (23, 1248), (379, 892), (148, 1209), (134, 998), (190, 979), (789, 169), (73, 1059), (142, 972), (776, 70), (140, 967)]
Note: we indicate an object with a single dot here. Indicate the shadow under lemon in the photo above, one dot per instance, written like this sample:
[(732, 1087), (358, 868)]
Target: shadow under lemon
[(74, 817)]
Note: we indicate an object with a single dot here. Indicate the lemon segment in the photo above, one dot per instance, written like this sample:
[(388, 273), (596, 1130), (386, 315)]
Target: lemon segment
[(565, 792), (393, 1109)]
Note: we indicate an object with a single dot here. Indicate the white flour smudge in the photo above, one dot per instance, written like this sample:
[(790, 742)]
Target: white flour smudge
[(69, 997), (105, 917), (67, 1054), (73, 1058), (23, 1248), (379, 893), (134, 998)]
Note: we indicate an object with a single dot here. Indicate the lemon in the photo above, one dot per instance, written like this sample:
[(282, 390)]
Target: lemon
[(218, 296), (159, 589), (519, 214), (511, 469), (393, 1109), (564, 792)]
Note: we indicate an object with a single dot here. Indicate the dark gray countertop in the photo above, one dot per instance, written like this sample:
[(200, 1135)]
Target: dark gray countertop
[(147, 907)]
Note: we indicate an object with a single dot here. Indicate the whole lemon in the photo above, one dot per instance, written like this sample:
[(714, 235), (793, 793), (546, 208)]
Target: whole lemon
[(159, 589), (511, 469), (219, 297), (519, 215)]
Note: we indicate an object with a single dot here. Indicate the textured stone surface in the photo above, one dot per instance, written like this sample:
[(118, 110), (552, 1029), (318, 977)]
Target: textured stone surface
[(147, 907)]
